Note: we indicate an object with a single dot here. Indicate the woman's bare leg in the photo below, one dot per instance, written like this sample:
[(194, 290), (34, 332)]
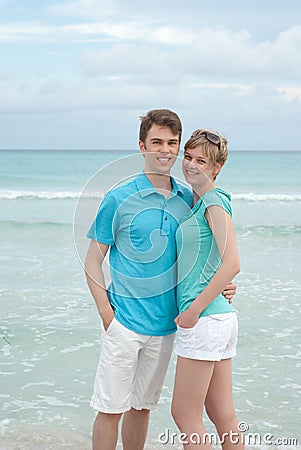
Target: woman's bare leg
[(191, 384), (220, 407)]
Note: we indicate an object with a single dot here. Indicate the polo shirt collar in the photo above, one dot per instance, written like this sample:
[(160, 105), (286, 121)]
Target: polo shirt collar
[(146, 188)]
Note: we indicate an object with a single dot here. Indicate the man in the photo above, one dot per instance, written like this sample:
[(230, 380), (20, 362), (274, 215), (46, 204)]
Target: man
[(137, 222)]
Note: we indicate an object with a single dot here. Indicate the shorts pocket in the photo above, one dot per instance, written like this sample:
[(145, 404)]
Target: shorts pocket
[(111, 326), (186, 336)]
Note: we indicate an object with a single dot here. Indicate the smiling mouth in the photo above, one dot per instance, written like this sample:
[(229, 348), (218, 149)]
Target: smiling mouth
[(164, 158), (189, 172)]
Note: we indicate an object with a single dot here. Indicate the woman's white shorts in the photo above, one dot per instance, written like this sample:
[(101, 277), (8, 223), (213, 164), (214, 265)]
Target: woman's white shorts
[(213, 338), (131, 369)]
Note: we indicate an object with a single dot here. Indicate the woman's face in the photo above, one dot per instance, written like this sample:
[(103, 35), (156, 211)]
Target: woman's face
[(197, 168)]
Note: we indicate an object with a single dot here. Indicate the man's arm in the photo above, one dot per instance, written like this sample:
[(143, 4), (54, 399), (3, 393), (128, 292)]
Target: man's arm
[(96, 281)]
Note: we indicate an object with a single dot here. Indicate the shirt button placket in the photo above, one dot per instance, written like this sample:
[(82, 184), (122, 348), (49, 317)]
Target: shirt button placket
[(165, 226)]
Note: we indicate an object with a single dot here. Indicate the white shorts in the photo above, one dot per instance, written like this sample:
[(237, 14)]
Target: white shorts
[(131, 369), (213, 338)]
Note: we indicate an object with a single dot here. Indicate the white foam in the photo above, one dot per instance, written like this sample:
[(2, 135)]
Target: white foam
[(251, 197), (61, 195), (74, 348), (46, 195)]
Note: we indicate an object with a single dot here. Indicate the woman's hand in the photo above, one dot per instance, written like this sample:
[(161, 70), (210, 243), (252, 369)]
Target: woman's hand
[(187, 319), (229, 292)]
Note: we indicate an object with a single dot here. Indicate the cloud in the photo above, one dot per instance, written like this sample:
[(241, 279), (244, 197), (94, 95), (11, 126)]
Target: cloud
[(6, 75), (196, 53), (18, 32), (97, 58), (119, 31), (290, 93), (209, 65), (249, 121), (38, 32), (56, 95), (88, 8), (220, 54), (238, 89)]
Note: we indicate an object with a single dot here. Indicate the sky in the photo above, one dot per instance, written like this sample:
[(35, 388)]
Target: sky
[(78, 74)]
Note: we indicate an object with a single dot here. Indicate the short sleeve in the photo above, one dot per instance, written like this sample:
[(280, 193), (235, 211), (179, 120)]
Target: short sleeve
[(217, 198), (102, 229)]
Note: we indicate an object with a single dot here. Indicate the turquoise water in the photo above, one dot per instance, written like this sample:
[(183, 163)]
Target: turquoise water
[(49, 327)]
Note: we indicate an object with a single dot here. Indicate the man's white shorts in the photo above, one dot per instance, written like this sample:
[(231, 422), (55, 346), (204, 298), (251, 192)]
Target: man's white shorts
[(213, 338), (131, 369)]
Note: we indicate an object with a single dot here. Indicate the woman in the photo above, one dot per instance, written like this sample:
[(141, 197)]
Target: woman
[(207, 324)]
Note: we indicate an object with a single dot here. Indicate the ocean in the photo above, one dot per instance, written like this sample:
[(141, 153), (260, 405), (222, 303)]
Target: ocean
[(49, 326)]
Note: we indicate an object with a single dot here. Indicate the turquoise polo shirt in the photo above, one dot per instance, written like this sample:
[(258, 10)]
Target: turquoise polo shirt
[(139, 225), (198, 255)]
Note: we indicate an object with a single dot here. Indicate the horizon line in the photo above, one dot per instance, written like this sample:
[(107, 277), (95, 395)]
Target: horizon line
[(125, 150)]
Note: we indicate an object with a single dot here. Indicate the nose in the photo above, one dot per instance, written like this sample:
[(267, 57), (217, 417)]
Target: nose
[(190, 164), (164, 147)]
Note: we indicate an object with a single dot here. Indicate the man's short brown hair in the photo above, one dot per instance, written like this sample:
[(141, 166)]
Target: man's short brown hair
[(163, 118)]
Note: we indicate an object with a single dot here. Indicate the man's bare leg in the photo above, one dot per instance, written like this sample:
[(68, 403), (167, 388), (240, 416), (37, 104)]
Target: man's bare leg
[(134, 429), (105, 431)]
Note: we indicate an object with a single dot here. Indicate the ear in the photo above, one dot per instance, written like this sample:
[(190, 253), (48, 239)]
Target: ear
[(141, 147), (217, 169)]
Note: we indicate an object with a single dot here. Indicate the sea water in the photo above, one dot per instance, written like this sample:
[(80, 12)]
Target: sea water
[(49, 326)]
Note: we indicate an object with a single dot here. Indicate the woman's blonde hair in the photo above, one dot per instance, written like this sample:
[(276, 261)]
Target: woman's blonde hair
[(214, 145)]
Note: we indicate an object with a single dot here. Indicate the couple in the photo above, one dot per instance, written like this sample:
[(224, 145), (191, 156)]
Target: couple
[(171, 251)]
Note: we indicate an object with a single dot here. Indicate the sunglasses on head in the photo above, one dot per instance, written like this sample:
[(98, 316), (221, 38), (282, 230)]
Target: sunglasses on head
[(211, 137)]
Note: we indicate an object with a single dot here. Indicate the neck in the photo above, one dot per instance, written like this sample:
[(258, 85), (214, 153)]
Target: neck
[(161, 182), (199, 191)]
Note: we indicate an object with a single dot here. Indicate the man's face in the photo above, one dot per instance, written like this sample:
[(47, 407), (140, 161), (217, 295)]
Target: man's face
[(160, 149)]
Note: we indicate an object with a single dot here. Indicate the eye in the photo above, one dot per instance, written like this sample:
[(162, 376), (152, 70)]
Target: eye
[(187, 157)]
